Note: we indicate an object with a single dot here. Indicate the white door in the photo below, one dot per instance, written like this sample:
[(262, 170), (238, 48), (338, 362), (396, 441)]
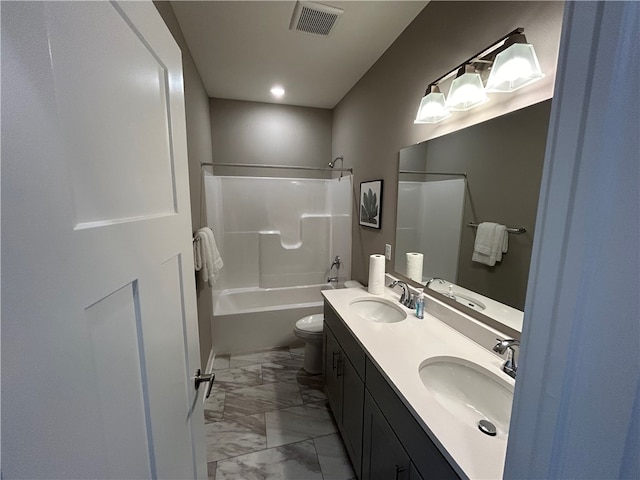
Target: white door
[(99, 327)]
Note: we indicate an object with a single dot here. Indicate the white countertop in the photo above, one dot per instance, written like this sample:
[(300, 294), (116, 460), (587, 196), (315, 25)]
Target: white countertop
[(398, 349)]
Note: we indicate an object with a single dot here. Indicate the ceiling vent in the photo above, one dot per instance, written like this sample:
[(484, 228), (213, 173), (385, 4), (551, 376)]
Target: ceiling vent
[(316, 18)]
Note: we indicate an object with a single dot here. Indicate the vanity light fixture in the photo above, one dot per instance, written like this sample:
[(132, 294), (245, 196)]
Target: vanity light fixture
[(466, 90), (432, 106), (510, 63), (514, 67), (277, 91)]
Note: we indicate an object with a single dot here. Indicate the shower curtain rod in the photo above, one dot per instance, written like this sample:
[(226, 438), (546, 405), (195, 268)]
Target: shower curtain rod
[(432, 173), (290, 167)]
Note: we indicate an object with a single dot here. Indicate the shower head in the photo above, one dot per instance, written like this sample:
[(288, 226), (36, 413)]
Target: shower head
[(332, 163)]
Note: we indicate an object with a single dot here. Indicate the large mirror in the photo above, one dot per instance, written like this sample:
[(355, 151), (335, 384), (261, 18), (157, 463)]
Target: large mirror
[(447, 186)]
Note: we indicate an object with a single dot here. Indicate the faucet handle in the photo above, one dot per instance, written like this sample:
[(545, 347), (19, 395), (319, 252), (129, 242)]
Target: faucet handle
[(510, 367), (412, 301), (506, 345)]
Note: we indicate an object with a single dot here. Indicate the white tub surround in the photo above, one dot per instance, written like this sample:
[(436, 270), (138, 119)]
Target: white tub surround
[(279, 232), (398, 349)]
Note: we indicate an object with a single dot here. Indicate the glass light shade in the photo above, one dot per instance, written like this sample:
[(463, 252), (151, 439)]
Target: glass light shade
[(432, 108), (514, 68), (466, 92)]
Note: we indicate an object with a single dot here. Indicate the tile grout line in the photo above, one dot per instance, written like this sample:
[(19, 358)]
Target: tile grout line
[(315, 448)]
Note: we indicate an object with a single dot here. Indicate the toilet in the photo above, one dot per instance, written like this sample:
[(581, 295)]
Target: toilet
[(309, 330)]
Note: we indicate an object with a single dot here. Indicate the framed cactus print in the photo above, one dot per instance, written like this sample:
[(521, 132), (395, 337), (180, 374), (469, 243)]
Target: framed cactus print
[(370, 203)]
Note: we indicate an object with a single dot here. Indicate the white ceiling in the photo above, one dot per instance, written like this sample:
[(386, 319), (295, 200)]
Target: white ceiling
[(243, 48)]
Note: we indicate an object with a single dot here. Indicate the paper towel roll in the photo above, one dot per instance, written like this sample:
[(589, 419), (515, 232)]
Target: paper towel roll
[(376, 274), (415, 261)]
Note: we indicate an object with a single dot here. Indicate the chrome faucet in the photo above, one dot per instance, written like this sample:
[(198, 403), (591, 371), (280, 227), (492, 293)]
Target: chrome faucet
[(336, 263), (405, 299), (434, 279), (510, 366)]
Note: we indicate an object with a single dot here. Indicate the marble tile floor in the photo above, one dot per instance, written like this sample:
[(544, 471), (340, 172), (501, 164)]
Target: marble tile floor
[(267, 419)]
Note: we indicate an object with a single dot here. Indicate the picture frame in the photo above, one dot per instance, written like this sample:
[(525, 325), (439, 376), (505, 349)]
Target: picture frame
[(371, 204)]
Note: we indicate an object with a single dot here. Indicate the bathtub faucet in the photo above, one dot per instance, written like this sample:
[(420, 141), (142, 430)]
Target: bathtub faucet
[(336, 263)]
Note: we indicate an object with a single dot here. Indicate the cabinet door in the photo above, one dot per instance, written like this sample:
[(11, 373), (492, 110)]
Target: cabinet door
[(352, 411), (383, 457), (332, 365), (413, 473)]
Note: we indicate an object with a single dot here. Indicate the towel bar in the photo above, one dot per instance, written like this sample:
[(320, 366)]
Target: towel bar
[(517, 230)]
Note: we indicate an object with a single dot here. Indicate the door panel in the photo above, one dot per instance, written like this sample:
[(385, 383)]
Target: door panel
[(99, 324), (114, 320), (113, 102)]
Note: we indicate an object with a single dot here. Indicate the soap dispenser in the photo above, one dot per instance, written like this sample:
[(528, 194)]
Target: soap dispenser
[(420, 305)]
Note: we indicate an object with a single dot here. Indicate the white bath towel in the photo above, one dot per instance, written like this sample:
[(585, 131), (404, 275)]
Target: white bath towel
[(492, 240), (206, 256)]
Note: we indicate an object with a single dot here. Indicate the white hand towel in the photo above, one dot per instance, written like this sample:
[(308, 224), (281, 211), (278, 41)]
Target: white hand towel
[(215, 254), (501, 242), (491, 242), (197, 256), (206, 255)]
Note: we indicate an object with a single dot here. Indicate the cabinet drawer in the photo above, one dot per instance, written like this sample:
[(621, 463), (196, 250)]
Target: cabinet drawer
[(347, 341), (428, 460)]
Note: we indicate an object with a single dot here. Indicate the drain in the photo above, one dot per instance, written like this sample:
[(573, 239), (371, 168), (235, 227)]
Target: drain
[(487, 428)]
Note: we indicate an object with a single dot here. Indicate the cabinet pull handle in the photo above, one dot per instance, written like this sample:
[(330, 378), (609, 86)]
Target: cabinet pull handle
[(340, 369), (399, 470), (335, 354)]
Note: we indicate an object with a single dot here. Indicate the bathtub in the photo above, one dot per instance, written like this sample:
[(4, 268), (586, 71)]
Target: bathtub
[(250, 319)]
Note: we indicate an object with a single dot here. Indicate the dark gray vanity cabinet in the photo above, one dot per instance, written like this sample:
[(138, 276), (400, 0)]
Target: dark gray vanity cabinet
[(426, 460), (382, 437), (344, 363), (383, 457), (333, 372)]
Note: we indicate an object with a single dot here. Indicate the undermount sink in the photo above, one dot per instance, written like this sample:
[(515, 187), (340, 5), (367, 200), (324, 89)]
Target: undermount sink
[(469, 302), (378, 310), (466, 300), (470, 392)]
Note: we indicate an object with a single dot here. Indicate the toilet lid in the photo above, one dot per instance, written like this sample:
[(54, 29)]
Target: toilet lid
[(312, 323)]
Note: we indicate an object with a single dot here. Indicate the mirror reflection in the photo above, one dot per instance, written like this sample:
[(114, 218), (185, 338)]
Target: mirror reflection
[(489, 172)]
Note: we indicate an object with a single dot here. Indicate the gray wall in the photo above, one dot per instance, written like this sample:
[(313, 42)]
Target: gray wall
[(199, 150), (265, 133), (375, 119)]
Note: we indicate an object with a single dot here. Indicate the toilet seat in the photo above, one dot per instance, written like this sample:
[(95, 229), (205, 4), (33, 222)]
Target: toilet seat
[(312, 324)]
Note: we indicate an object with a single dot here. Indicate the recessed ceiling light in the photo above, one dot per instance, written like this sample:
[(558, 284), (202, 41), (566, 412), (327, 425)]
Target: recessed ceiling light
[(277, 91)]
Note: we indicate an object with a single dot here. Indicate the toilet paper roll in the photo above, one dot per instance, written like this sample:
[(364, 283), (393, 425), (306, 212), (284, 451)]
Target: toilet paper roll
[(415, 262), (376, 274)]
